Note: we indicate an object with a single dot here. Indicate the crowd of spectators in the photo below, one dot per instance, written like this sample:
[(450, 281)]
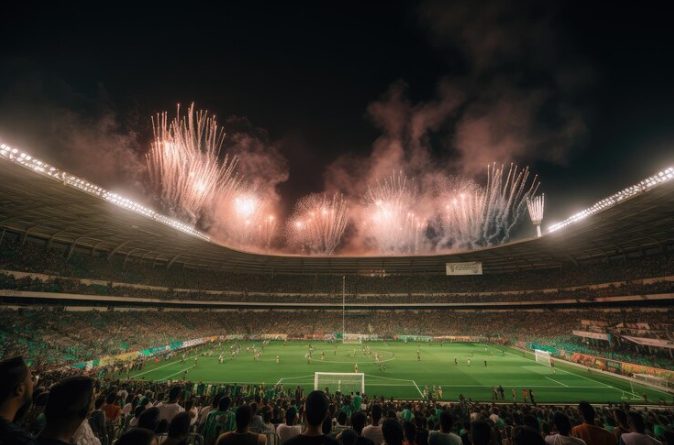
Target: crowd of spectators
[(31, 257), (56, 284), (55, 336), (79, 410)]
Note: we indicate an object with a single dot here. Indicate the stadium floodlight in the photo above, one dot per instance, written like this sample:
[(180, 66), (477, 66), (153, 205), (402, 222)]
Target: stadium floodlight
[(344, 382), (536, 206), (42, 168), (657, 179)]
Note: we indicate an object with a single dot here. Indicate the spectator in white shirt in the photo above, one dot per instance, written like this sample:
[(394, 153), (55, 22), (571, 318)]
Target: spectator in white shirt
[(288, 430), (563, 427), (167, 411), (637, 434), (373, 431)]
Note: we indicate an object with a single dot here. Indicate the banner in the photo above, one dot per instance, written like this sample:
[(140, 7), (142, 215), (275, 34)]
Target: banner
[(274, 336), (633, 368), (595, 335), (614, 366), (471, 268), (655, 342), (460, 338), (407, 338)]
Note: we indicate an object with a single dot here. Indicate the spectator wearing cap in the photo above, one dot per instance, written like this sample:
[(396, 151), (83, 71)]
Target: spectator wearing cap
[(16, 395)]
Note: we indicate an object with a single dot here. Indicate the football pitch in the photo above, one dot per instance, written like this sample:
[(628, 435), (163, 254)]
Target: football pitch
[(399, 372)]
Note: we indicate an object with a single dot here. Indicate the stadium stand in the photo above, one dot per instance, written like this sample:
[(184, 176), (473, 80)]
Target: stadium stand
[(85, 276), (122, 408)]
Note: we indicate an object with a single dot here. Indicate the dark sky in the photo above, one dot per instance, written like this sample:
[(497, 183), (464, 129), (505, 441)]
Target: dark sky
[(589, 85)]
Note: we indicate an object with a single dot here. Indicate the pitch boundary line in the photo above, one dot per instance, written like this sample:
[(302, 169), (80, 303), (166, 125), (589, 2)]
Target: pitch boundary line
[(176, 373), (551, 379), (154, 369)]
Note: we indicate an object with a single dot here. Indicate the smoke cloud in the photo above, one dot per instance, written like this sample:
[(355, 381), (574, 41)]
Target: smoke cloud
[(36, 115)]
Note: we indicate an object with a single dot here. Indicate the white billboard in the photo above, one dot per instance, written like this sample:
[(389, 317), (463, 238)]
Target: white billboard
[(470, 268)]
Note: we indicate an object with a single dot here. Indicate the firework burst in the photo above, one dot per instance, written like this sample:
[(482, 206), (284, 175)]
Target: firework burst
[(185, 163), (475, 216), (391, 222), (318, 223)]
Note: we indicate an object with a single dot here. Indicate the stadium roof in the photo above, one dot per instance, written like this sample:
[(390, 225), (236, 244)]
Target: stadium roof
[(41, 202)]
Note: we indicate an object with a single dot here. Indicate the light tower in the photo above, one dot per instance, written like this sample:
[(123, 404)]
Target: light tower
[(536, 206)]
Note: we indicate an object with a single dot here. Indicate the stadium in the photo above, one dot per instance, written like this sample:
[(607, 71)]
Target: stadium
[(567, 315)]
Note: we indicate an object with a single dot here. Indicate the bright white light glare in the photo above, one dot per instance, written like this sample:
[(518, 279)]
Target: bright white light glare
[(27, 161), (245, 205), (633, 190)]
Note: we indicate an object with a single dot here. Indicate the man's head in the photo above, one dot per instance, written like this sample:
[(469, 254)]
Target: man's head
[(392, 432), (316, 408), (149, 419), (586, 411), (291, 415), (137, 436), (620, 417), (531, 421), (636, 422), (179, 427), (562, 423), (376, 413), (174, 394), (223, 404), (242, 417), (16, 388), (480, 433), (446, 422), (70, 402), (358, 421)]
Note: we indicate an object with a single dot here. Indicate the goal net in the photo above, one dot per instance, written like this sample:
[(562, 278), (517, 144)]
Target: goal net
[(344, 382), (543, 357)]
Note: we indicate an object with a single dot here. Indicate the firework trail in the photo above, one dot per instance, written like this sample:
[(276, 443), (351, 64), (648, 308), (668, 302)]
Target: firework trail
[(391, 223), (477, 216), (318, 223), (536, 206), (185, 165)]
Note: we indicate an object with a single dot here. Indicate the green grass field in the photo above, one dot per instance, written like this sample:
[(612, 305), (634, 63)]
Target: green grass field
[(403, 376)]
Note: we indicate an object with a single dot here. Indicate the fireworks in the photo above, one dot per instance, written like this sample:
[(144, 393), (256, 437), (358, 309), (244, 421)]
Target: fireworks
[(476, 216), (185, 165), (536, 206), (199, 183), (245, 219), (318, 223), (391, 223)]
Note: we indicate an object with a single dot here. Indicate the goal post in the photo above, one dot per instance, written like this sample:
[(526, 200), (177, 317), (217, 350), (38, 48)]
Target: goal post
[(543, 357), (344, 382)]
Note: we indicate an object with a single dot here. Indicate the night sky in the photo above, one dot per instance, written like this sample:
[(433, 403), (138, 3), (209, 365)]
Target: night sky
[(581, 92)]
